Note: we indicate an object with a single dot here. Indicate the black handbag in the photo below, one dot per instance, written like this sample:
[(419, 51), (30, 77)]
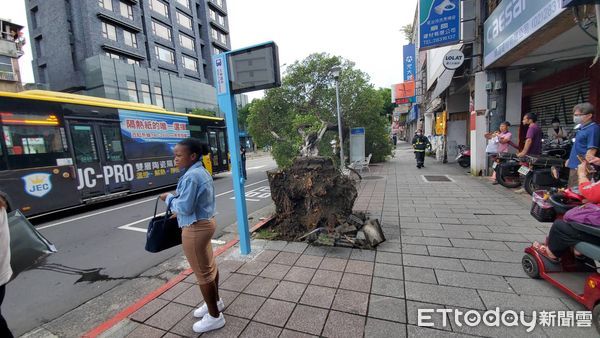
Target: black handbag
[(163, 231)]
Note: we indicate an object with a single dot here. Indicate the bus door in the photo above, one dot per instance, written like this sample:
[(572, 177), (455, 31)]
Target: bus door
[(218, 147), (99, 158)]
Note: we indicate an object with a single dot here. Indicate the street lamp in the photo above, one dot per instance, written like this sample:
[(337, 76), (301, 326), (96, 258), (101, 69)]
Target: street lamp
[(335, 71)]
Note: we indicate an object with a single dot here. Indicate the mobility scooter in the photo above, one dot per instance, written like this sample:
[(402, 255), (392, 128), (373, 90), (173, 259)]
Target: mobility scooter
[(578, 276)]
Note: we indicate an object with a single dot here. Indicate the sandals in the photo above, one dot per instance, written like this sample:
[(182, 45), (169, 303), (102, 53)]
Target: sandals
[(545, 252)]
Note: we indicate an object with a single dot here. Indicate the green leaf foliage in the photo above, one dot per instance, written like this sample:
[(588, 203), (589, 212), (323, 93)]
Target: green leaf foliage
[(307, 98)]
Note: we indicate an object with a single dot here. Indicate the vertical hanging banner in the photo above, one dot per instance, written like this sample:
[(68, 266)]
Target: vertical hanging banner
[(439, 23), (408, 53)]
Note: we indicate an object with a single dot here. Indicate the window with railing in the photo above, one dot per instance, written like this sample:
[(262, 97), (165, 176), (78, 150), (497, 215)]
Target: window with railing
[(106, 4), (6, 68)]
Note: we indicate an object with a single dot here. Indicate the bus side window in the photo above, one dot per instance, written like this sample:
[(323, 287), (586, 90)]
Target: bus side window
[(113, 147)]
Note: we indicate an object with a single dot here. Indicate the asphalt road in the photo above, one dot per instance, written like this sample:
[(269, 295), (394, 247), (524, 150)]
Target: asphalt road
[(99, 249)]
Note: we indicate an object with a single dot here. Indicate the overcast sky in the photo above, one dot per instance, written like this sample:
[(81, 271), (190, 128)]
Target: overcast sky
[(366, 32)]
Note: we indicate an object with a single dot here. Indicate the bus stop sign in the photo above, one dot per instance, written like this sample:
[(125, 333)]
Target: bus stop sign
[(241, 71)]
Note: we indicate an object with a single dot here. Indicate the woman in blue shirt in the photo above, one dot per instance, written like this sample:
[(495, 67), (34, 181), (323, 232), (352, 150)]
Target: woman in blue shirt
[(194, 205)]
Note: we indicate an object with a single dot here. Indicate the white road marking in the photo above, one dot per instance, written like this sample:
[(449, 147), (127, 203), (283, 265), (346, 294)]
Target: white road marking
[(122, 207), (130, 227), (258, 167)]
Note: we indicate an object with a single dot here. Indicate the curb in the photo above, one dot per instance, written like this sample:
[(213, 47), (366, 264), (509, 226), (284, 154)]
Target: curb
[(105, 326)]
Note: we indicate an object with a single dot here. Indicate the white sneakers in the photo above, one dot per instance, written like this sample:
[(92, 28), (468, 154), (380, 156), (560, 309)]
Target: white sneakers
[(209, 323), (203, 310)]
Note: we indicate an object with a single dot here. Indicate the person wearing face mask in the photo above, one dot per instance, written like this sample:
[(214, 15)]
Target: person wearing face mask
[(420, 144), (587, 139), (555, 132), (533, 142)]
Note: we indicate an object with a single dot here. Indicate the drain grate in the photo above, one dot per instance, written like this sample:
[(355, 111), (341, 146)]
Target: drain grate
[(438, 178)]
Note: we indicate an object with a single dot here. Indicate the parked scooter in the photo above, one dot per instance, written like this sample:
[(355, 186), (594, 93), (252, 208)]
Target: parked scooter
[(507, 168), (464, 156), (578, 276), (538, 173)]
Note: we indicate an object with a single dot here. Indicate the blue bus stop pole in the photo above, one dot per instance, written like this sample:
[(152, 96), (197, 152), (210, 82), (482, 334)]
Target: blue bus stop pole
[(228, 106)]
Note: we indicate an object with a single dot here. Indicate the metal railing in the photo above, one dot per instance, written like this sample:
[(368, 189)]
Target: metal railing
[(8, 76)]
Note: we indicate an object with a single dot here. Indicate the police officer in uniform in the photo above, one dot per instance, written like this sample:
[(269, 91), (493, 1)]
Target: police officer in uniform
[(420, 143)]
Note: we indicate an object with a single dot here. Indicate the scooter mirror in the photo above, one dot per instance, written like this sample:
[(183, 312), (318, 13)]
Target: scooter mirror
[(555, 172)]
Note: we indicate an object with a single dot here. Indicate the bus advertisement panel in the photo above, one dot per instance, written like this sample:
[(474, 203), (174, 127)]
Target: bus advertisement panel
[(149, 140)]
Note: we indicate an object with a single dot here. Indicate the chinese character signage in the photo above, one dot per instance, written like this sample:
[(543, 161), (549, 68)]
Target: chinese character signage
[(403, 92), (408, 52), (439, 22), (150, 134)]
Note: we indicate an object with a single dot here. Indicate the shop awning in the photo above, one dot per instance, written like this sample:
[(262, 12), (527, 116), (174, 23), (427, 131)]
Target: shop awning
[(443, 82)]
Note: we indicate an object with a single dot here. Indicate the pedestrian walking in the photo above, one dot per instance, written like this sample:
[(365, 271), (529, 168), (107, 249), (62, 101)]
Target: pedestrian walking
[(5, 270), (243, 155), (420, 143), (587, 139), (194, 205)]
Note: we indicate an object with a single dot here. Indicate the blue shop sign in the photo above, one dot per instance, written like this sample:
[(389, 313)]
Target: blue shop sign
[(439, 22)]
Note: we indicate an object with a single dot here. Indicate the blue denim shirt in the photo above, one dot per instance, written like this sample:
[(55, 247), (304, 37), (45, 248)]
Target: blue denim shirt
[(195, 200), (588, 137)]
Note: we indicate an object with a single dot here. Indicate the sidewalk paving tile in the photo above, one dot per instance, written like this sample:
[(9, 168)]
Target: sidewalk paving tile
[(388, 271), (267, 255), (415, 249), (307, 319), (334, 264), (254, 330), (288, 291), (144, 331), (261, 286), (245, 306), (227, 265), (233, 328), (148, 310), (294, 334), (351, 302), (388, 287), (388, 308), (274, 312), (307, 261), (389, 246), (316, 251), (318, 296), (275, 271), (494, 268), (184, 326), (473, 281), (389, 258), (327, 278), (442, 251), (191, 297), (300, 274), (534, 287), (420, 240), (175, 291), (479, 244), (354, 282), (295, 247), (253, 268), (433, 262), (504, 256), (237, 282), (344, 325), (417, 331), (338, 252), (276, 245), (168, 316), (359, 267), (376, 328), (439, 294), (525, 303), (286, 258), (228, 296)]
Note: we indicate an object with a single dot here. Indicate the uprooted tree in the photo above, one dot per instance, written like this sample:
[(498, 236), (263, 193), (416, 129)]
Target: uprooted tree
[(299, 121), (301, 114)]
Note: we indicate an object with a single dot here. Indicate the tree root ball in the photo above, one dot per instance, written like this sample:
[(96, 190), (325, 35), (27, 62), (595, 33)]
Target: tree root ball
[(310, 194)]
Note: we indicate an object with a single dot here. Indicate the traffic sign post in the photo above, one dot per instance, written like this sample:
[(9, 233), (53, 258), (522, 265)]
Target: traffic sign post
[(237, 72)]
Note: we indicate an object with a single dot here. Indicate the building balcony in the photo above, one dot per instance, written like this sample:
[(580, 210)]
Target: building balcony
[(8, 76), (9, 48)]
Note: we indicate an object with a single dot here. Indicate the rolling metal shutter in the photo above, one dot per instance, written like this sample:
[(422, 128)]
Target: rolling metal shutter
[(559, 103)]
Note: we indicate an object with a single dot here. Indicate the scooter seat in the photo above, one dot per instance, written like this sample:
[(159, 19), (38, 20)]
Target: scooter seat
[(587, 249)]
